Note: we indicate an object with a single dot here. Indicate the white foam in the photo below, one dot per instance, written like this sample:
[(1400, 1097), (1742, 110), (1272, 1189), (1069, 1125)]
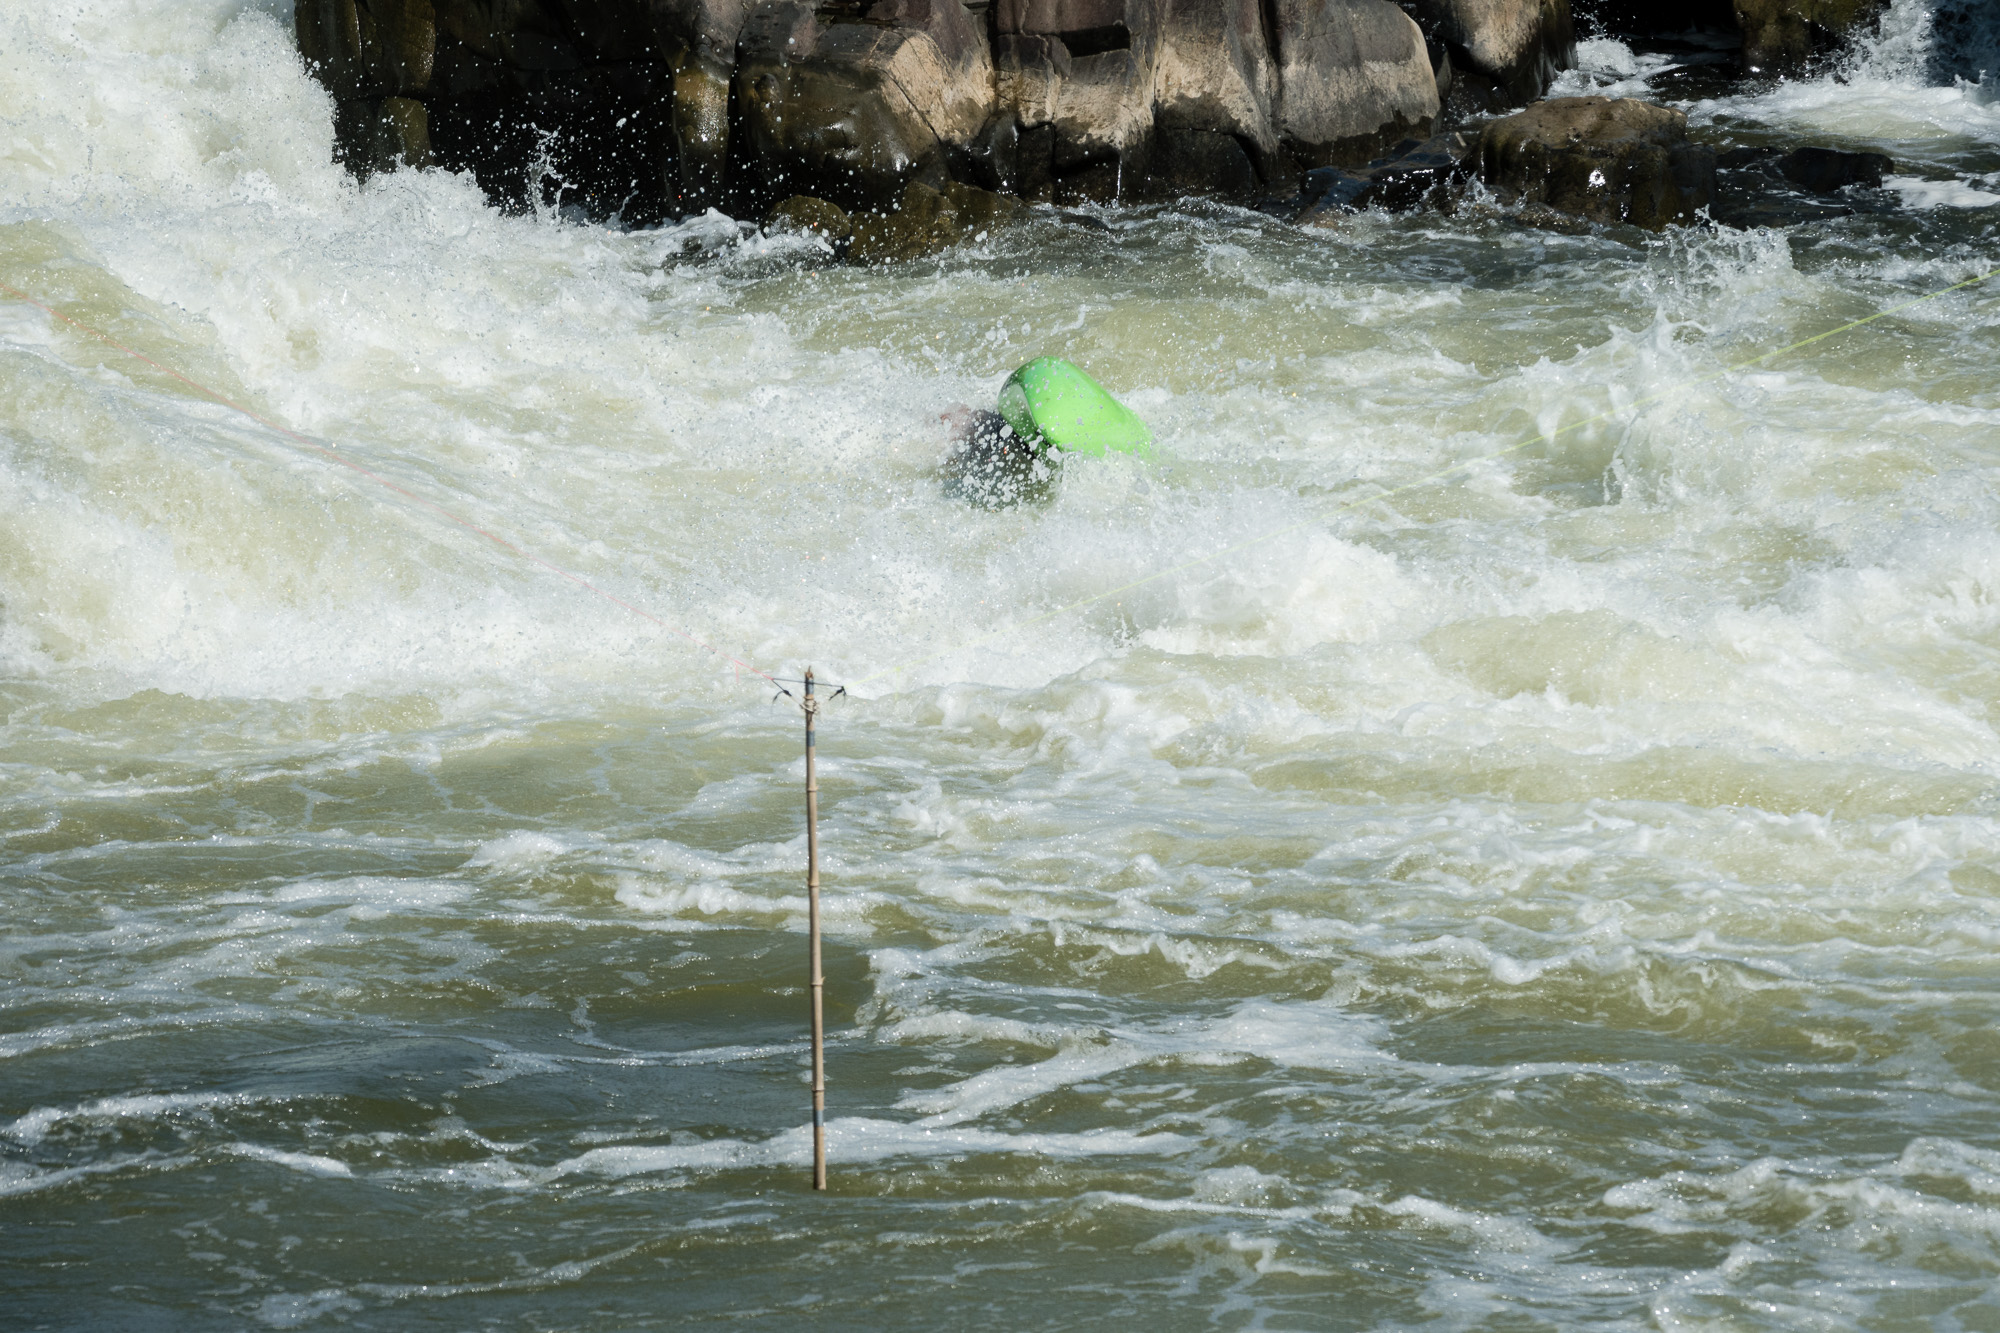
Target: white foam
[(863, 1139), (1301, 1036), (521, 849), (34, 1127), (312, 1164), (1920, 193)]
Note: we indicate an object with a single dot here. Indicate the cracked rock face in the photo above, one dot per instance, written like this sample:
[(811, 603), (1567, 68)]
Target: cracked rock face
[(645, 109), (1605, 159), (852, 111)]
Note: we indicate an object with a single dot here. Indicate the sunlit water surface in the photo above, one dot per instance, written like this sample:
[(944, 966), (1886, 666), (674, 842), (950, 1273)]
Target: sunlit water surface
[(1563, 892)]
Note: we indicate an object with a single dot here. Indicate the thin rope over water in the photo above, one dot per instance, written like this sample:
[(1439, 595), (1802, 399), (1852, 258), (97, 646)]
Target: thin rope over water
[(401, 490), (1373, 497)]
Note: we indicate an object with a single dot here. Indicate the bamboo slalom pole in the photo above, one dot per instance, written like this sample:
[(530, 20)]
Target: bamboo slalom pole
[(811, 707)]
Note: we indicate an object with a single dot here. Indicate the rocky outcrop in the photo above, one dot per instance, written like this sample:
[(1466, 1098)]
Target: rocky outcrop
[(1520, 45), (645, 109), (1605, 159), (1077, 78)]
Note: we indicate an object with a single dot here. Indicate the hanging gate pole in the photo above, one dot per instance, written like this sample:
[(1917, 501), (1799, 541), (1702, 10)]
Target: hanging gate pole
[(811, 706)]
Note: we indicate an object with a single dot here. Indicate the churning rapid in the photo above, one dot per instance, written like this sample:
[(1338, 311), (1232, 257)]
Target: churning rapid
[(1565, 892)]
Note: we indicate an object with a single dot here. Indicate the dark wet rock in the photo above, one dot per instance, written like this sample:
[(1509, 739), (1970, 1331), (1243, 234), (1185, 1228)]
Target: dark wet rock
[(376, 57), (404, 127), (1521, 45), (1746, 210), (1201, 161), (1767, 187), (1785, 34), (368, 48), (1605, 159), (920, 226), (1416, 175), (1647, 18), (978, 211), (696, 171), (1824, 170)]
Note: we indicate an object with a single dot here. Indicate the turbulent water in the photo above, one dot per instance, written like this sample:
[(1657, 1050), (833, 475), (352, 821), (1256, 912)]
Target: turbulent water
[(1564, 891)]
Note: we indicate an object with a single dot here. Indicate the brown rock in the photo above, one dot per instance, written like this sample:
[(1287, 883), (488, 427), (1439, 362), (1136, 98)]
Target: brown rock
[(928, 221), (381, 134), (976, 211), (406, 132), (923, 224), (1609, 160)]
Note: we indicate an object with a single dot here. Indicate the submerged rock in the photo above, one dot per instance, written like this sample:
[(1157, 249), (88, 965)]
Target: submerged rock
[(1824, 170), (1605, 159), (1766, 187), (1417, 174), (803, 215), (922, 224)]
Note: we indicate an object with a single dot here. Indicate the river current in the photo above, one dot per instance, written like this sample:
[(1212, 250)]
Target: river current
[(1563, 892)]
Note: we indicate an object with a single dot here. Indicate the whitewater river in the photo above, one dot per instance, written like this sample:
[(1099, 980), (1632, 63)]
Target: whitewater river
[(1562, 892)]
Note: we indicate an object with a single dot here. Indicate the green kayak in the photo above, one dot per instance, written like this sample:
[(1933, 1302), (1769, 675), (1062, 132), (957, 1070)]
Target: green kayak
[(1051, 402)]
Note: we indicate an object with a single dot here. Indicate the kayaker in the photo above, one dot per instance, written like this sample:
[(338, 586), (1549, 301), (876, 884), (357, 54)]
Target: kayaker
[(1048, 408)]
